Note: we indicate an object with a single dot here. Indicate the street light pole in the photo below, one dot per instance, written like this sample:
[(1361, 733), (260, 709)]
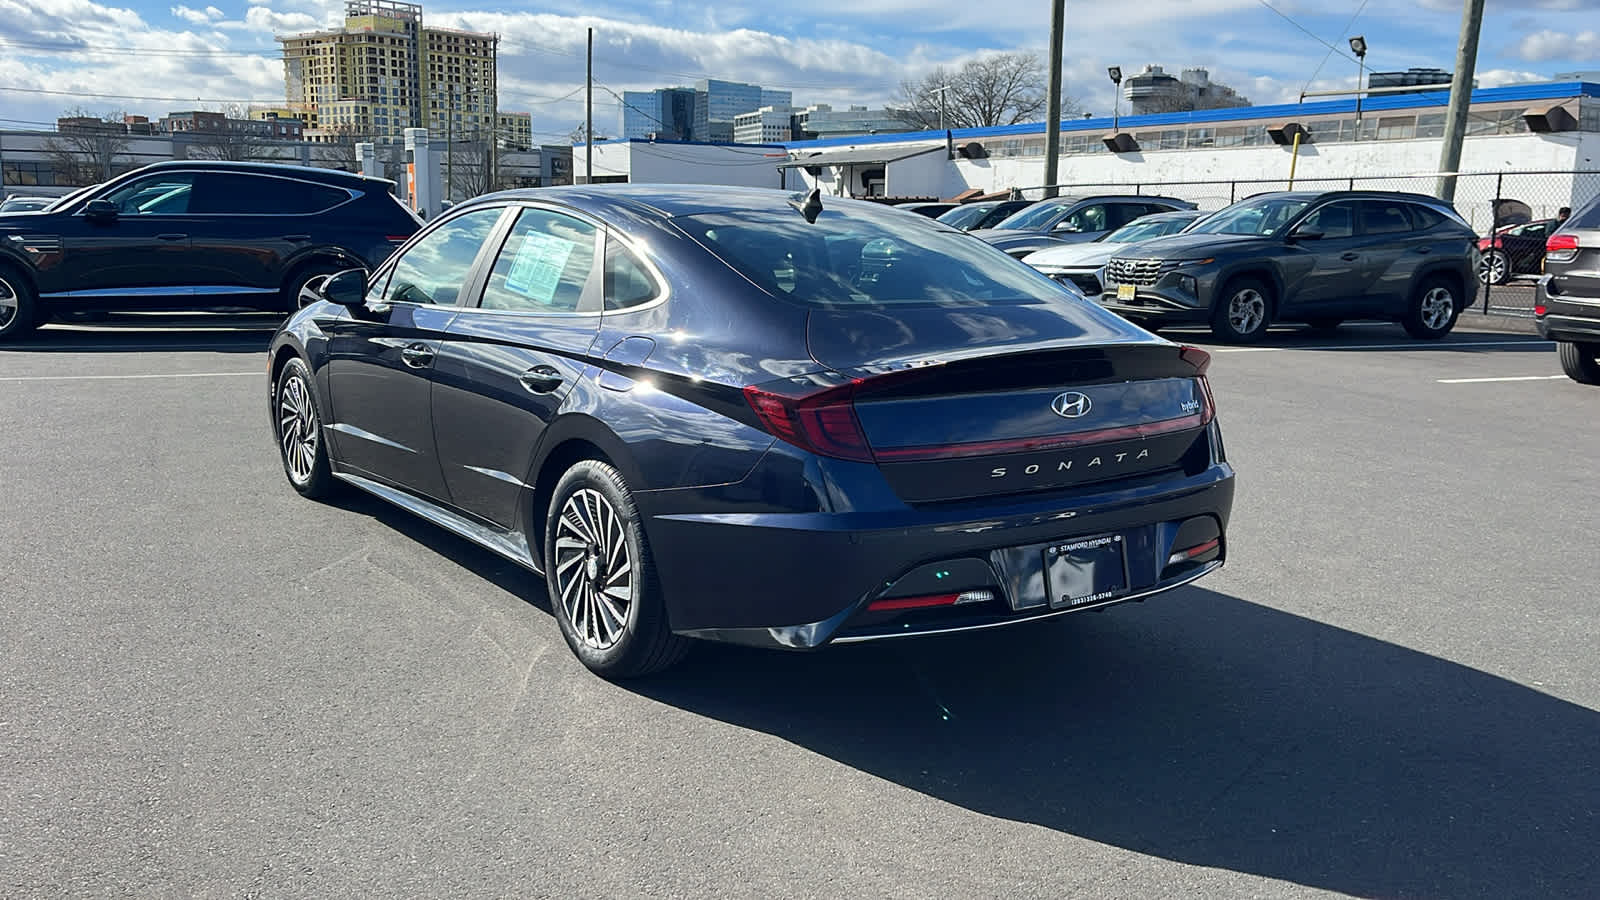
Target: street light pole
[(1358, 45), (1116, 97)]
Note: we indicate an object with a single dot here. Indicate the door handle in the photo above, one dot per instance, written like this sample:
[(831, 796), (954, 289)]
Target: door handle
[(1350, 257), (297, 238), (417, 356), (541, 379), (171, 237)]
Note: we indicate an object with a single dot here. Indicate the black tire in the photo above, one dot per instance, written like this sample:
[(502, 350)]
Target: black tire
[(1324, 324), (1494, 267), (19, 306), (593, 514), (1242, 311), (1435, 305), (303, 276), (298, 428), (1580, 361)]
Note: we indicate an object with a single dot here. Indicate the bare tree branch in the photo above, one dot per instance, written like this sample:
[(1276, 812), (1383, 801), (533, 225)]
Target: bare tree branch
[(88, 151), (999, 89)]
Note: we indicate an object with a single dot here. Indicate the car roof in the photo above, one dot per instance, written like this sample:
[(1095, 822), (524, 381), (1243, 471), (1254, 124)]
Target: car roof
[(1169, 214), (669, 200), (308, 173), (1354, 195)]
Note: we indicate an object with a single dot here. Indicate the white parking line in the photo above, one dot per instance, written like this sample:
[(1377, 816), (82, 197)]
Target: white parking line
[(260, 374), (1453, 345), (1506, 378)]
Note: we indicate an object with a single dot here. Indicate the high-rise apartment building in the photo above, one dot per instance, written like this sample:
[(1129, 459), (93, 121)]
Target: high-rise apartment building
[(386, 71), (514, 130)]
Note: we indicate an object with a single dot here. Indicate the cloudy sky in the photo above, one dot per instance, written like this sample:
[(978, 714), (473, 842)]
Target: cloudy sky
[(151, 57)]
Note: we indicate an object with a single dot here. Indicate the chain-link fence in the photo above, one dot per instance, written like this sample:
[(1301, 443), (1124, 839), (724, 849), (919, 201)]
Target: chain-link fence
[(1512, 212)]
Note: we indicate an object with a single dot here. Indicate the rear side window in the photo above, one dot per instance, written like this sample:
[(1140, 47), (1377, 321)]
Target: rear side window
[(1587, 217), (864, 259), (242, 193), (1336, 220), (1383, 217), (545, 265), (628, 282), (1426, 218)]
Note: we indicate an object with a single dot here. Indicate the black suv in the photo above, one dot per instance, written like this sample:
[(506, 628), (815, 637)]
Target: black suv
[(185, 235), (1318, 258), (1568, 308)]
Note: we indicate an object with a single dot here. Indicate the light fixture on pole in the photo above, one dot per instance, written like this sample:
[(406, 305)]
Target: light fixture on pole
[(1116, 103), (1358, 45)]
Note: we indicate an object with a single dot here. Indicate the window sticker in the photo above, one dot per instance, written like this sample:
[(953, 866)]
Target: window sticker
[(536, 269)]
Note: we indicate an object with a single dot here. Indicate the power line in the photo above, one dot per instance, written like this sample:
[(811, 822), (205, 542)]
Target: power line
[(1308, 32), (1329, 55)]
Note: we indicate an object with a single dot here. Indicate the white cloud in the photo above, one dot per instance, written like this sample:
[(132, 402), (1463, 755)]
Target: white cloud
[(262, 19), (1542, 46), (198, 16)]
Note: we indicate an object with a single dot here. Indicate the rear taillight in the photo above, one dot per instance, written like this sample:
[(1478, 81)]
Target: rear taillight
[(1540, 310), (1559, 242), (823, 422), (1201, 360)]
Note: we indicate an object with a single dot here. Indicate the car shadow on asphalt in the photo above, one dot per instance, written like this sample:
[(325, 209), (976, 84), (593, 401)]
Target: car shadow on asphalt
[(150, 333), (1208, 730)]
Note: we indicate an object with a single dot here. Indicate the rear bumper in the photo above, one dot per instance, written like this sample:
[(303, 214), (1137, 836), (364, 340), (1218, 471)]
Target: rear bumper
[(1568, 318), (802, 580)]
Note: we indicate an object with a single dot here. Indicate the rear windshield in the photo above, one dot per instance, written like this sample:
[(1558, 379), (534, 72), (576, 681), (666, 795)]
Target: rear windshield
[(865, 258), (1586, 217)]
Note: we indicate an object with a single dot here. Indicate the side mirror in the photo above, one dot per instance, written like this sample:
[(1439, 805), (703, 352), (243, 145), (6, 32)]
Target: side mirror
[(347, 288), (100, 211)]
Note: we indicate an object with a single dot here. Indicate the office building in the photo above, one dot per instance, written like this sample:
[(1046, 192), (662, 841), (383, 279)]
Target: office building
[(1154, 91), (385, 71), (763, 126), (514, 130), (822, 121), (717, 102), (664, 113), (1421, 79)]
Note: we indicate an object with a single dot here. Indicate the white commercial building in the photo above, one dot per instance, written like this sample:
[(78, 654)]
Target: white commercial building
[(1215, 156), (763, 126), (677, 162)]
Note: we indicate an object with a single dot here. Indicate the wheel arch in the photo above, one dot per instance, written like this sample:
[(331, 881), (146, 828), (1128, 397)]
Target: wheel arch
[(329, 256), (1447, 272), (568, 441), (1267, 274), (11, 262)]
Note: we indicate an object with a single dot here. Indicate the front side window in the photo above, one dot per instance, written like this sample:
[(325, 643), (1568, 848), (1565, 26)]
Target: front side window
[(545, 265), (434, 269), (1088, 219), (1033, 218), (158, 195), (1334, 221)]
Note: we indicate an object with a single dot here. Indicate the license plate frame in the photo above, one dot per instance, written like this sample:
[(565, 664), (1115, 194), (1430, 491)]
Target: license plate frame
[(1085, 571), (1126, 292)]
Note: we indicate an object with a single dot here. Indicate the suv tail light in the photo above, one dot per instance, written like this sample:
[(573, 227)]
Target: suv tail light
[(1561, 247)]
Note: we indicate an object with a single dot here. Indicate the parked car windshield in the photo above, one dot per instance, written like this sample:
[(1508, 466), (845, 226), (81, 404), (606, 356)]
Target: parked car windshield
[(1145, 230), (865, 259), (1262, 216), (966, 216), (1034, 217)]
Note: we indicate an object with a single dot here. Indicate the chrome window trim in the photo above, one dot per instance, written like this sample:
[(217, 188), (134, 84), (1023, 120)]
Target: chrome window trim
[(352, 195)]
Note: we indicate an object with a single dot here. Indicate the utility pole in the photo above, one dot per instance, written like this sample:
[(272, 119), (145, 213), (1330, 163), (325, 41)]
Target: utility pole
[(588, 114), (1455, 121), (1052, 131), (449, 143)]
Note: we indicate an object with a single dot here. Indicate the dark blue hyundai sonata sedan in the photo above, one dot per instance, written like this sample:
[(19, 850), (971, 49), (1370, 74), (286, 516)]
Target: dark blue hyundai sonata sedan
[(755, 416)]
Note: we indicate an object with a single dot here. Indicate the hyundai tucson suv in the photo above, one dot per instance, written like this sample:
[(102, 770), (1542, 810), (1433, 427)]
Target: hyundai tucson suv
[(192, 235), (1568, 307), (749, 416), (1318, 258), (1071, 220)]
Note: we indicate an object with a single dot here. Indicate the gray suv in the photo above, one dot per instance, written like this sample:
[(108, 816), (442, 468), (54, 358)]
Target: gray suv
[(1318, 258), (1568, 308)]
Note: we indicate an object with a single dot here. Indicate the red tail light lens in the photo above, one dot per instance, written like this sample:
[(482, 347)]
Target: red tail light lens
[(1539, 309), (824, 422), (1558, 242), (1194, 356)]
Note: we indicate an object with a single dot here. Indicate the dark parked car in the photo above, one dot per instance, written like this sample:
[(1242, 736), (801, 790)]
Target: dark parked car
[(982, 214), (1080, 265), (931, 209), (1514, 250), (1071, 220), (1568, 308), (1318, 258), (194, 235), (751, 416)]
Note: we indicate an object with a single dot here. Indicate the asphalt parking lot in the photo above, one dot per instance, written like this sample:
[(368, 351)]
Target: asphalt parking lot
[(209, 686)]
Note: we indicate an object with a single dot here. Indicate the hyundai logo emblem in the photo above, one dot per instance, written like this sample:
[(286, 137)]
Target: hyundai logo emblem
[(1071, 405)]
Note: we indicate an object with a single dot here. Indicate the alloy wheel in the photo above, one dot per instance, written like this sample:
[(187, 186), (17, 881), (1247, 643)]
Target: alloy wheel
[(297, 429), (594, 569), (1492, 267), (1247, 310), (1437, 308), (10, 304)]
